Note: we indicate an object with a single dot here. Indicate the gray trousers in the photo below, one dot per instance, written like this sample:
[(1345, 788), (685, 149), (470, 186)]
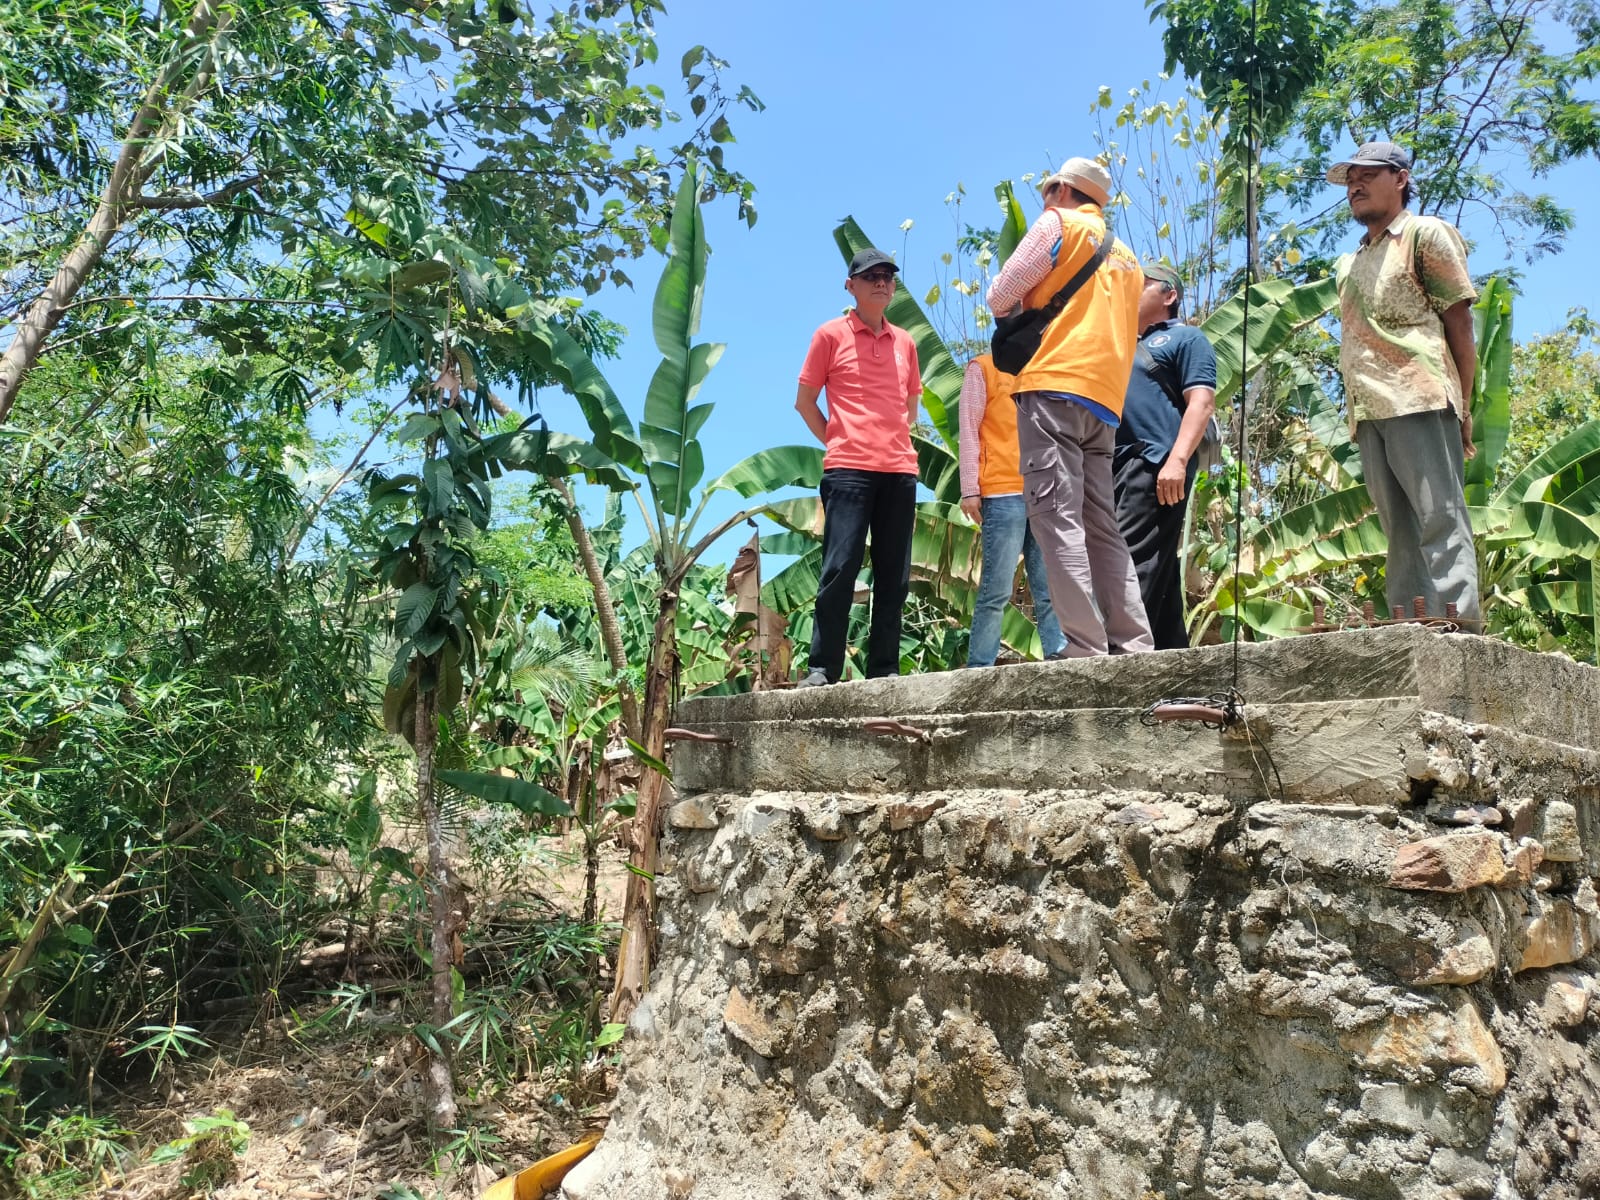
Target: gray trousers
[(1415, 474), (1066, 479)]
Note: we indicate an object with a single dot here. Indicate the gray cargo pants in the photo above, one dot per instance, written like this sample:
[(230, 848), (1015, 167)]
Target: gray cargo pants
[(1415, 475), (1066, 478)]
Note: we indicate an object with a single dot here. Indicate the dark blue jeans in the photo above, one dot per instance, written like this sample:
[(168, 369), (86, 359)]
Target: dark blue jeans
[(1006, 535), (854, 505)]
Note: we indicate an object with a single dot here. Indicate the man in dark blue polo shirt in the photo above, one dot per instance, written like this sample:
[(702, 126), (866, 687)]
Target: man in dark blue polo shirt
[(1171, 396)]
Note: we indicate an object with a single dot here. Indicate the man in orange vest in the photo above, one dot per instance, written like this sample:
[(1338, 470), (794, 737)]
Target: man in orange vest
[(991, 496), (1069, 402)]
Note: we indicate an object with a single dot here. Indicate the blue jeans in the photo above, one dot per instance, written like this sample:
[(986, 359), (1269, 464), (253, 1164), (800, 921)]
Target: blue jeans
[(1005, 536)]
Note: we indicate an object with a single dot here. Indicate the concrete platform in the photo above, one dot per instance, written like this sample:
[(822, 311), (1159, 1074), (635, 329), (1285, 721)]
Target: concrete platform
[(1351, 717)]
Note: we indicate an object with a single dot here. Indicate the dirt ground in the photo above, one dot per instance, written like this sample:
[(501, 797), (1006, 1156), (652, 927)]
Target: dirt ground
[(335, 1113)]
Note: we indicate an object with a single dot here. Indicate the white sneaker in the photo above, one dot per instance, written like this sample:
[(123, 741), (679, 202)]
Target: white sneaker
[(817, 678)]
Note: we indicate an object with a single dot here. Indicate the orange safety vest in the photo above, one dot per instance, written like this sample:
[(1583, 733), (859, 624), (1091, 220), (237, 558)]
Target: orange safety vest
[(999, 460), (1088, 349)]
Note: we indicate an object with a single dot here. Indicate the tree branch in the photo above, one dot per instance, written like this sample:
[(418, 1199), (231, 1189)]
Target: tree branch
[(168, 201)]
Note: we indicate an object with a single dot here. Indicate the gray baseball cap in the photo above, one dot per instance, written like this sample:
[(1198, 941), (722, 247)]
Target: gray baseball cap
[(1371, 154)]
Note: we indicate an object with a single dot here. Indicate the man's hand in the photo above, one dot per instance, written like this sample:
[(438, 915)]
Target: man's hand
[(1468, 450), (972, 506), (1171, 479)]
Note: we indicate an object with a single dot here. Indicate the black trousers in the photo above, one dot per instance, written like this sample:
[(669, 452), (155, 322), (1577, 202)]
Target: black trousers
[(856, 504), (1154, 533)]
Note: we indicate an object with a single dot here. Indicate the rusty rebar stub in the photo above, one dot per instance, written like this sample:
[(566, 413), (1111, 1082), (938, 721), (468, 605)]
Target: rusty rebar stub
[(694, 735), (1206, 714)]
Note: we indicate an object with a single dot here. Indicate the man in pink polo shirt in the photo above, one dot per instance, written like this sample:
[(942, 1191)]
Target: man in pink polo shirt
[(869, 473)]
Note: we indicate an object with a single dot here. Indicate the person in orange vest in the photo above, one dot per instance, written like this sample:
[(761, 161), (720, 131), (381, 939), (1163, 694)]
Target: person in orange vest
[(1069, 403), (991, 496)]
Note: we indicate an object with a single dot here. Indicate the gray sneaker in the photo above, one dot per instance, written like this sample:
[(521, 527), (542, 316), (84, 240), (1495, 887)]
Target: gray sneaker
[(817, 678)]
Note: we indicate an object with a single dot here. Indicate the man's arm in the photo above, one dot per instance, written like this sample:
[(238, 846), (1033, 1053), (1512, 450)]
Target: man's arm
[(1173, 478), (805, 403), (1028, 265), (1464, 353), (974, 401)]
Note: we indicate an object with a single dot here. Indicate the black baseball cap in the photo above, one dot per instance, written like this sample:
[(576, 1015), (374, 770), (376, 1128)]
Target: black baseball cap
[(865, 260), (1371, 154), (1167, 275)]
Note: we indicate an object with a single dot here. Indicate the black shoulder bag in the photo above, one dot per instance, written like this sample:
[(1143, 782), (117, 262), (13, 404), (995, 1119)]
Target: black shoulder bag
[(1016, 339)]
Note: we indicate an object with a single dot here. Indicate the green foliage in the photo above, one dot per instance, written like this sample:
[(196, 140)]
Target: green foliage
[(1470, 88), (67, 1156), (208, 1150), (1254, 58), (283, 134), (169, 688)]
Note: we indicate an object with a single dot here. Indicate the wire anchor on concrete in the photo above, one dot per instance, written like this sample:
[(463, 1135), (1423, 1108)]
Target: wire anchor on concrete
[(694, 735), (1216, 711)]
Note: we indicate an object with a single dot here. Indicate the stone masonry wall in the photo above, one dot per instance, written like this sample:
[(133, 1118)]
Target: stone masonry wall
[(1348, 952)]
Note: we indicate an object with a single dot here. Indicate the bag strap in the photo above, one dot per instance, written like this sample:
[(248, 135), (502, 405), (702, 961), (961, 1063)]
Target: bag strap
[(1148, 364), (1059, 301)]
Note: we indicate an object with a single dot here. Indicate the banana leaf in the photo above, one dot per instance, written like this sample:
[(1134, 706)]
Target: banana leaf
[(674, 460), (1013, 223), (1277, 309), (769, 470), (545, 453), (938, 469), (1566, 466), (1491, 389)]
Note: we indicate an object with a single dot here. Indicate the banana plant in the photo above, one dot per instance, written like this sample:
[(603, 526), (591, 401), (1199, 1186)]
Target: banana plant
[(662, 462)]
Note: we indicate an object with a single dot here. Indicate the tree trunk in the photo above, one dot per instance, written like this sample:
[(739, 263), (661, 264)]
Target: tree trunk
[(638, 911), (1252, 217), (440, 1086), (128, 176), (605, 610)]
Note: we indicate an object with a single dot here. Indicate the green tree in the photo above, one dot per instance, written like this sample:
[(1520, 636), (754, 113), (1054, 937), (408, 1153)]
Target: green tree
[(170, 690), (1254, 59), (1473, 89), (186, 159)]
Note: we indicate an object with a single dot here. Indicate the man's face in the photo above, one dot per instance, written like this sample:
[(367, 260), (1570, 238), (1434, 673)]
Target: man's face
[(1154, 302), (1375, 192), (873, 288)]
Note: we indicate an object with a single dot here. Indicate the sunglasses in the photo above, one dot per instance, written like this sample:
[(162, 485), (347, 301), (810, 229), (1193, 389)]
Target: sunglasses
[(877, 276)]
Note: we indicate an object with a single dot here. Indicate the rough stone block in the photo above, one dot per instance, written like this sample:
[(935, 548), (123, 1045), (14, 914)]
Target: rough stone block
[(1453, 862), (1557, 830), (1466, 961), (1407, 1042), (697, 812), (1525, 860), (826, 822), (904, 816), (1010, 960), (1558, 929), (1567, 997), (1414, 1108), (746, 1022)]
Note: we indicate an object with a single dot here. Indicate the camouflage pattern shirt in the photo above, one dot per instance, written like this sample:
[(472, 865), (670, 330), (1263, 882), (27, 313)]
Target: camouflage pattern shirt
[(1392, 351)]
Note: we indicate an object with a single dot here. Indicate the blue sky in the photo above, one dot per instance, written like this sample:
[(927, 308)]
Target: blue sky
[(878, 109)]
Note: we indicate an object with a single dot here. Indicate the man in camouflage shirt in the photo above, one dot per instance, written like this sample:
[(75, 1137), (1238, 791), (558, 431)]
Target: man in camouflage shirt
[(1408, 361)]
